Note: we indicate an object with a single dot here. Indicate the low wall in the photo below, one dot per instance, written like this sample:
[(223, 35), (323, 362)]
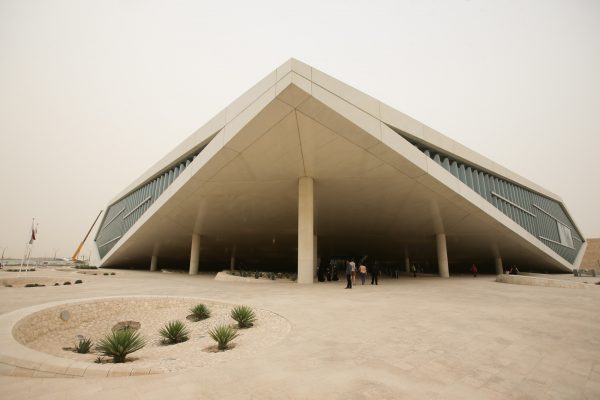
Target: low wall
[(534, 281)]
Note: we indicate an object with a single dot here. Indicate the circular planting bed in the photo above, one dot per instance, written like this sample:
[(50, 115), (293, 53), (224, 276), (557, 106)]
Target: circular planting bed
[(57, 330)]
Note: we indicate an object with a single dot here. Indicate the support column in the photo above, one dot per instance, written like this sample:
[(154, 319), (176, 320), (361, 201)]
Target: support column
[(442, 255), (315, 256), (498, 265), (154, 263), (305, 229), (232, 260), (195, 254)]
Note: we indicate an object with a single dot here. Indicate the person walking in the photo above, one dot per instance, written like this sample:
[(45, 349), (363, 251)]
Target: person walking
[(348, 275), (362, 269), (375, 273), (413, 269), (474, 270)]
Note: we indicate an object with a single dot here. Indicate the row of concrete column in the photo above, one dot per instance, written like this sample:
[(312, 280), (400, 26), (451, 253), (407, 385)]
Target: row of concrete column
[(307, 242)]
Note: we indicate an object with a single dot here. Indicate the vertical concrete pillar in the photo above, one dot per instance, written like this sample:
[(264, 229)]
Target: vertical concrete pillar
[(315, 256), (195, 254), (305, 229), (232, 260), (442, 255), (154, 263), (498, 265)]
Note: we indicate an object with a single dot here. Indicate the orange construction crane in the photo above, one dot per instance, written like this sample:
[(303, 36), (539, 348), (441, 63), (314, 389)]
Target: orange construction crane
[(76, 254)]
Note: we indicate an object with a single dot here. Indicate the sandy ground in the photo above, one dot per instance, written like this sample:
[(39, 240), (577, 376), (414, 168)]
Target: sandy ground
[(424, 338)]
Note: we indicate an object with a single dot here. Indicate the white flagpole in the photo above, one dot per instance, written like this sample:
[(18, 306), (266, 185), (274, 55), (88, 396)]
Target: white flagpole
[(24, 256), (34, 237), (28, 246)]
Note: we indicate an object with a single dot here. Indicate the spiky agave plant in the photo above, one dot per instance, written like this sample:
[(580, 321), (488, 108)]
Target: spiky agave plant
[(200, 311), (174, 332), (244, 316), (83, 345), (223, 334), (120, 343)]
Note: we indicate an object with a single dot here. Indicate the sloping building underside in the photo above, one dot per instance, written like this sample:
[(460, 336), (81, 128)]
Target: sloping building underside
[(303, 169)]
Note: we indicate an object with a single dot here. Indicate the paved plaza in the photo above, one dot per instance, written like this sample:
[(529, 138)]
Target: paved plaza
[(423, 338)]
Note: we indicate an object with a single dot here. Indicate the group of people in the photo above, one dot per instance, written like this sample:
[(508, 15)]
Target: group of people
[(361, 269)]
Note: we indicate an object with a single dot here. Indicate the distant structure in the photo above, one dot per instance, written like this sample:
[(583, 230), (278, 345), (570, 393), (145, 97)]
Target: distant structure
[(303, 168), (591, 258)]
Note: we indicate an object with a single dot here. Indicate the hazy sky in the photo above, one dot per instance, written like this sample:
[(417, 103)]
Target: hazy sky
[(92, 93)]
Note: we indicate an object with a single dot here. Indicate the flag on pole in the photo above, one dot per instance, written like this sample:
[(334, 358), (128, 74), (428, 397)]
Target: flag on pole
[(33, 234)]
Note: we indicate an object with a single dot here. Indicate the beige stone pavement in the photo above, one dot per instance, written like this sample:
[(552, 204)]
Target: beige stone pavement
[(423, 338)]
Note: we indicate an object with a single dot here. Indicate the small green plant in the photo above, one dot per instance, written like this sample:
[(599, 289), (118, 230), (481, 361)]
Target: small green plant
[(99, 360), (57, 284), (112, 273), (174, 332), (223, 334), (200, 311), (33, 285), (83, 345), (244, 316), (78, 281), (106, 273), (118, 344), (67, 283)]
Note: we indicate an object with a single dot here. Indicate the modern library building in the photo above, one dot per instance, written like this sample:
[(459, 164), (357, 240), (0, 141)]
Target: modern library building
[(303, 169)]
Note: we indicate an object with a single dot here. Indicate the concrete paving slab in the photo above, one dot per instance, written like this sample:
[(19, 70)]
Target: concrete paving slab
[(460, 338)]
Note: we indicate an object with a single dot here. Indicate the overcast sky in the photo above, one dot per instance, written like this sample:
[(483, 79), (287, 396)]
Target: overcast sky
[(92, 93)]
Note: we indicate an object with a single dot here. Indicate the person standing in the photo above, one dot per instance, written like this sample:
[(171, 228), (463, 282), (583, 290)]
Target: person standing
[(474, 270), (413, 269), (348, 275), (353, 266), (375, 273), (362, 269)]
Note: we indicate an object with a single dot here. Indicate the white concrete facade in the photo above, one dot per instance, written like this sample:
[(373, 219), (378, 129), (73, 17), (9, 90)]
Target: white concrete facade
[(377, 193)]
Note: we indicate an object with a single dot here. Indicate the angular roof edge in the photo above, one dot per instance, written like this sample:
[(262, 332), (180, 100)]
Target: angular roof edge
[(386, 114)]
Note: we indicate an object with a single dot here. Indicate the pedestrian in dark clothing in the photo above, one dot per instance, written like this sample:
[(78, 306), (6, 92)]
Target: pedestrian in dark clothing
[(348, 275), (474, 270), (374, 273), (413, 268)]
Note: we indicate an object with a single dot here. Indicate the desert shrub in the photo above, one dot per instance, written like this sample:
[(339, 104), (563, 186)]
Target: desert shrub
[(83, 345), (174, 332), (112, 273), (57, 284), (78, 281), (118, 344), (31, 285), (8, 285), (67, 283), (223, 334), (106, 273), (244, 316), (200, 311), (85, 267)]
